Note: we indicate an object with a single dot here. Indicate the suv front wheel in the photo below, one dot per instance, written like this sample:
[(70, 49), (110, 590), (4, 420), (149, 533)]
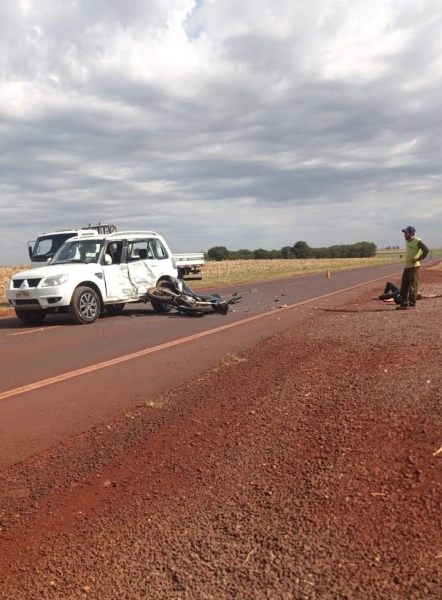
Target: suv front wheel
[(85, 306)]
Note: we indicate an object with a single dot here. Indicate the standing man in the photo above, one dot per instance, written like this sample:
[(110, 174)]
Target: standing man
[(416, 251)]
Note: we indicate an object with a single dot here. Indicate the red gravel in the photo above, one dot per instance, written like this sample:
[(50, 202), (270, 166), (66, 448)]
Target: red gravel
[(303, 468)]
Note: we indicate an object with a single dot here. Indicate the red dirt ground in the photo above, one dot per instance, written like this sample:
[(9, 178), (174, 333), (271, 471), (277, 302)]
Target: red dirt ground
[(305, 468)]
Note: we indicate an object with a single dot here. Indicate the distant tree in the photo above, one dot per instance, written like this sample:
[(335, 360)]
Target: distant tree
[(287, 252), (242, 254), (366, 249), (337, 251), (352, 251), (302, 250), (358, 250), (321, 253), (218, 253), (261, 253)]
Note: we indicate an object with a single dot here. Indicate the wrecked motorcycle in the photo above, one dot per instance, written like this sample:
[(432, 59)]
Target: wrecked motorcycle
[(177, 295)]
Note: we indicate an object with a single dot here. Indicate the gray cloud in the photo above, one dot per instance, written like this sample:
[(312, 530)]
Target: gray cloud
[(214, 123)]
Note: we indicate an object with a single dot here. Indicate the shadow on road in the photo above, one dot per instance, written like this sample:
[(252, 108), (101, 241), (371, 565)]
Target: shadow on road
[(10, 322)]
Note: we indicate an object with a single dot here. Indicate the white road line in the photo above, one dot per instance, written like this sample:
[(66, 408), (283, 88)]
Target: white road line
[(40, 329)]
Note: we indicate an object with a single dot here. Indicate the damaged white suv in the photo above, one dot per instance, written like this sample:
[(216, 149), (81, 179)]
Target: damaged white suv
[(92, 273)]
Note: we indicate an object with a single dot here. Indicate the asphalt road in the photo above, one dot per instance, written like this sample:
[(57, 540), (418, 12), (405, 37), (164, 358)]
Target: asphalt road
[(59, 379)]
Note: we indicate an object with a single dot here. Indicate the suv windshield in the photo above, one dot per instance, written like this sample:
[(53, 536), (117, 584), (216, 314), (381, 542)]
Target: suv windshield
[(80, 251)]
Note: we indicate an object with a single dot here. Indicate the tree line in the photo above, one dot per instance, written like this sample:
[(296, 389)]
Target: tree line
[(299, 250)]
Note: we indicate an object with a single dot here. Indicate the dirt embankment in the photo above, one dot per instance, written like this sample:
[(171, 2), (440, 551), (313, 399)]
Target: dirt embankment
[(304, 468)]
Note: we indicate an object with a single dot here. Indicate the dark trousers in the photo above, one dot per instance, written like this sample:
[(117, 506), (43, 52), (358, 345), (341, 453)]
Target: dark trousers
[(391, 291), (409, 286), (390, 287)]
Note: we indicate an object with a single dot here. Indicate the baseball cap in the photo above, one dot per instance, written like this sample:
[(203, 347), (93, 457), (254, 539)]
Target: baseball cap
[(410, 229)]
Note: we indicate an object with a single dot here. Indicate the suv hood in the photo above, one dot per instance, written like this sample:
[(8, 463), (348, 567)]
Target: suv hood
[(66, 268)]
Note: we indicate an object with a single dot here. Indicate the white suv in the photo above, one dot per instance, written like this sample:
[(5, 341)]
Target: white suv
[(91, 273)]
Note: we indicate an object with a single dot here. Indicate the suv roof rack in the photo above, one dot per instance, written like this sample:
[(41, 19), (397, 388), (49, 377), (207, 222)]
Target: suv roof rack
[(144, 232), (103, 229), (86, 233)]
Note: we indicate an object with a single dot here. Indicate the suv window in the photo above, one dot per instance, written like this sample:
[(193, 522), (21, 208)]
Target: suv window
[(159, 249), (115, 251), (146, 249), (140, 250), (84, 251)]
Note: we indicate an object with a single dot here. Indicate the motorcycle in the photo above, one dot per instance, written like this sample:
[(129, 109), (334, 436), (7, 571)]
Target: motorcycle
[(176, 294)]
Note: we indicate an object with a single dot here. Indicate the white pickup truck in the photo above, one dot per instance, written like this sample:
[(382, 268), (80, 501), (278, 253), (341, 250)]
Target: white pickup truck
[(46, 245), (92, 273), (189, 265)]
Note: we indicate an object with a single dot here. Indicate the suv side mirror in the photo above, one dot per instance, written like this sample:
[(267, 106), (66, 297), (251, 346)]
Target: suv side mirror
[(107, 259)]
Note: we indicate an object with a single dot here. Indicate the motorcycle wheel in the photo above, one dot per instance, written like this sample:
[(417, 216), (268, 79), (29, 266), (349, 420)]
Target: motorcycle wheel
[(161, 294), (161, 299)]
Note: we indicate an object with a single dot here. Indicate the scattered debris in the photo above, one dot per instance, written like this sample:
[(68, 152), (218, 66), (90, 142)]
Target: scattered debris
[(108, 483), (248, 556), (438, 451)]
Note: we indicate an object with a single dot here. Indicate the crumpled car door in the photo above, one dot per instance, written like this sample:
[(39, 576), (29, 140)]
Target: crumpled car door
[(118, 283)]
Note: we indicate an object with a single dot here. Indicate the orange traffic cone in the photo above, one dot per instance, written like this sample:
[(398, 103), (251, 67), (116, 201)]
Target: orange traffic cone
[(328, 274)]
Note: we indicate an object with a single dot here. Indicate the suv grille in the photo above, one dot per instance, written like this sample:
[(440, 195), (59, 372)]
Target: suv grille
[(27, 302), (32, 283)]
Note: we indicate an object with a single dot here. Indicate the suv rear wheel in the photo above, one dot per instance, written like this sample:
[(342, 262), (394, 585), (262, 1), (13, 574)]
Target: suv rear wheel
[(85, 306)]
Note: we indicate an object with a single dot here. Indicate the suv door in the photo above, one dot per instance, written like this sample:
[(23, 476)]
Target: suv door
[(144, 263), (119, 286)]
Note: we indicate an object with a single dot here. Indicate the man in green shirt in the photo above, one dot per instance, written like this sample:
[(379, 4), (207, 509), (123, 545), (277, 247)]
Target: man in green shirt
[(416, 251)]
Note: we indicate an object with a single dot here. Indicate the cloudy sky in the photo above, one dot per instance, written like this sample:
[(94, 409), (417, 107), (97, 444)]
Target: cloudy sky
[(241, 123)]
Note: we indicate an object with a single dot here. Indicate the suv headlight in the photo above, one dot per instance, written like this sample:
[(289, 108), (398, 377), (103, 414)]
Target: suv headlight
[(54, 280)]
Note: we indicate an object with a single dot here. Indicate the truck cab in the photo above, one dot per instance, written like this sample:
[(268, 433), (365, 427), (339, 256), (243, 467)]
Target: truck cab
[(47, 244)]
